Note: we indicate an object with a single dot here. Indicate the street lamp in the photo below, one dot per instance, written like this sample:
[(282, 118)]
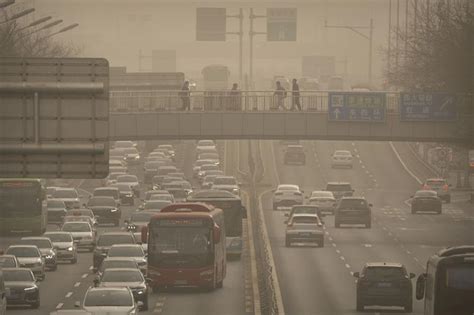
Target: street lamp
[(37, 22), (18, 15), (49, 25), (64, 29)]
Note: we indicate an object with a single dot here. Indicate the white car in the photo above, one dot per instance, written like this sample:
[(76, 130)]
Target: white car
[(324, 200), (227, 183), (286, 196), (110, 301), (304, 228), (341, 158), (134, 251), (205, 145), (82, 233)]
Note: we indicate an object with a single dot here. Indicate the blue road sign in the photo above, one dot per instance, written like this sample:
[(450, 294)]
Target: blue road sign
[(356, 106), (281, 24), (428, 107)]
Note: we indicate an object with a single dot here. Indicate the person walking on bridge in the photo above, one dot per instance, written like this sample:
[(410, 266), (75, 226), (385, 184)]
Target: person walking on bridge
[(295, 95), (235, 98), (280, 95), (185, 96)]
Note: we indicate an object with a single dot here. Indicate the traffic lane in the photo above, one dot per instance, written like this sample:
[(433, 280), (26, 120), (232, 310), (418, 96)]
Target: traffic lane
[(312, 280), (357, 246)]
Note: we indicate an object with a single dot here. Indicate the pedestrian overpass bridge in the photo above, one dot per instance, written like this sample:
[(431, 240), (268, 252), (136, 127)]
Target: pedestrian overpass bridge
[(157, 115)]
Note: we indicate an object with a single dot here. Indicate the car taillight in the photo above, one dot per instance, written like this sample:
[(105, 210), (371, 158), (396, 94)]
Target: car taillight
[(297, 193), (426, 187), (445, 187)]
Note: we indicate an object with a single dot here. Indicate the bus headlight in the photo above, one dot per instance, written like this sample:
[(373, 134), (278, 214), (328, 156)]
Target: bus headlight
[(70, 249)]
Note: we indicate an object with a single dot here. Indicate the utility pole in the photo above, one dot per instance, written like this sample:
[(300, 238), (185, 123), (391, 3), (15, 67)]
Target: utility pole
[(398, 35), (389, 34), (355, 29), (240, 33), (252, 34)]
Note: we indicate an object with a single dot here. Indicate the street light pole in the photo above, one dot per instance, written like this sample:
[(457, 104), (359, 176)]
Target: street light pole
[(252, 34), (355, 29), (18, 15), (240, 33), (37, 22), (6, 3), (64, 29)]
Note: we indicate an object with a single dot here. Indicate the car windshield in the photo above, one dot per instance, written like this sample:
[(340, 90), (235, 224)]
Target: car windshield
[(108, 298), (338, 187), (305, 209), (426, 193), (321, 194), (164, 197), (130, 150), (141, 217), (342, 153), (127, 179), (115, 175), (23, 252), (39, 243), (122, 276), (209, 156), (435, 182), (287, 188), (156, 204), (123, 187), (18, 275), (112, 239), (205, 143), (225, 181), (6, 262), (384, 272), (56, 204), (134, 251), (76, 227), (305, 220), (118, 264), (84, 212), (209, 167), (105, 193), (59, 237), (353, 204), (101, 201), (65, 193)]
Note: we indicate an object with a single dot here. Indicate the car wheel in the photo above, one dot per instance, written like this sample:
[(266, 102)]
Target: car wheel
[(337, 225), (145, 304), (54, 268), (409, 307), (275, 206), (368, 225), (321, 243), (74, 260), (220, 284), (287, 243), (413, 211), (448, 199), (36, 304), (359, 306), (117, 223)]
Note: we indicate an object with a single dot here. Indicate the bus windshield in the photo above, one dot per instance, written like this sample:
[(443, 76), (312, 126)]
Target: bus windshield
[(456, 289), (186, 243), (20, 198)]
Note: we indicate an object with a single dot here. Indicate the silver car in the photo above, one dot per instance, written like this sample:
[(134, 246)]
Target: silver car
[(134, 251), (304, 228), (110, 301), (69, 196), (46, 248), (441, 186), (324, 200), (63, 242), (286, 196), (341, 158), (29, 256)]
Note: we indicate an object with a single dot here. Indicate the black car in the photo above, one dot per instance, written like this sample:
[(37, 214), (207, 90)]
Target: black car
[(353, 210), (294, 154), (127, 196), (105, 209), (56, 211), (105, 242), (384, 284), (22, 288), (426, 200), (340, 189)]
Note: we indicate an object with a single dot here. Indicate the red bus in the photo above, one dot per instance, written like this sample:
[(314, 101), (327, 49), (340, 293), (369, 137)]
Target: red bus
[(186, 246)]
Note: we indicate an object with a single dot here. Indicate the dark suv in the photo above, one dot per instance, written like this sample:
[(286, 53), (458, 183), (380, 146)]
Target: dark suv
[(340, 189), (353, 210), (105, 242), (384, 284), (294, 154)]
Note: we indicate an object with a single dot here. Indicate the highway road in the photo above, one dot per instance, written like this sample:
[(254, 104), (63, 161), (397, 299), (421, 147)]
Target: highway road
[(319, 280), (62, 288)]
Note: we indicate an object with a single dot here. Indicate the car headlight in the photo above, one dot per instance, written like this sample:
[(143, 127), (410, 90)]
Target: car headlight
[(137, 157), (50, 256), (70, 249), (129, 195), (114, 210), (29, 289), (235, 189)]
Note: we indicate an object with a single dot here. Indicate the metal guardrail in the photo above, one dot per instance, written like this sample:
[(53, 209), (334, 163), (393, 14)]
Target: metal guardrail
[(152, 101)]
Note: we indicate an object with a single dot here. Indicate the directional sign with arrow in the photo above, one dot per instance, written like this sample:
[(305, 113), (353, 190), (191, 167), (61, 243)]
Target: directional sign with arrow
[(428, 107), (356, 106)]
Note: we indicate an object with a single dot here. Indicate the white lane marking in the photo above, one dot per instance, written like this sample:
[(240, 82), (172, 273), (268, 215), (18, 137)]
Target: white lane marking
[(68, 295), (91, 267), (353, 144), (338, 251), (348, 266), (333, 244), (60, 305), (403, 164), (362, 165), (77, 284), (84, 275), (367, 245), (342, 258)]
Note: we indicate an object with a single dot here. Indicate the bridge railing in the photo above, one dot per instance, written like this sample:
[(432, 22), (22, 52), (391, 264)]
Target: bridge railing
[(152, 101)]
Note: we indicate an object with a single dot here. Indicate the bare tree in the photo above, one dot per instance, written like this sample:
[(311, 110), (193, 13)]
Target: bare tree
[(437, 53), (19, 40)]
